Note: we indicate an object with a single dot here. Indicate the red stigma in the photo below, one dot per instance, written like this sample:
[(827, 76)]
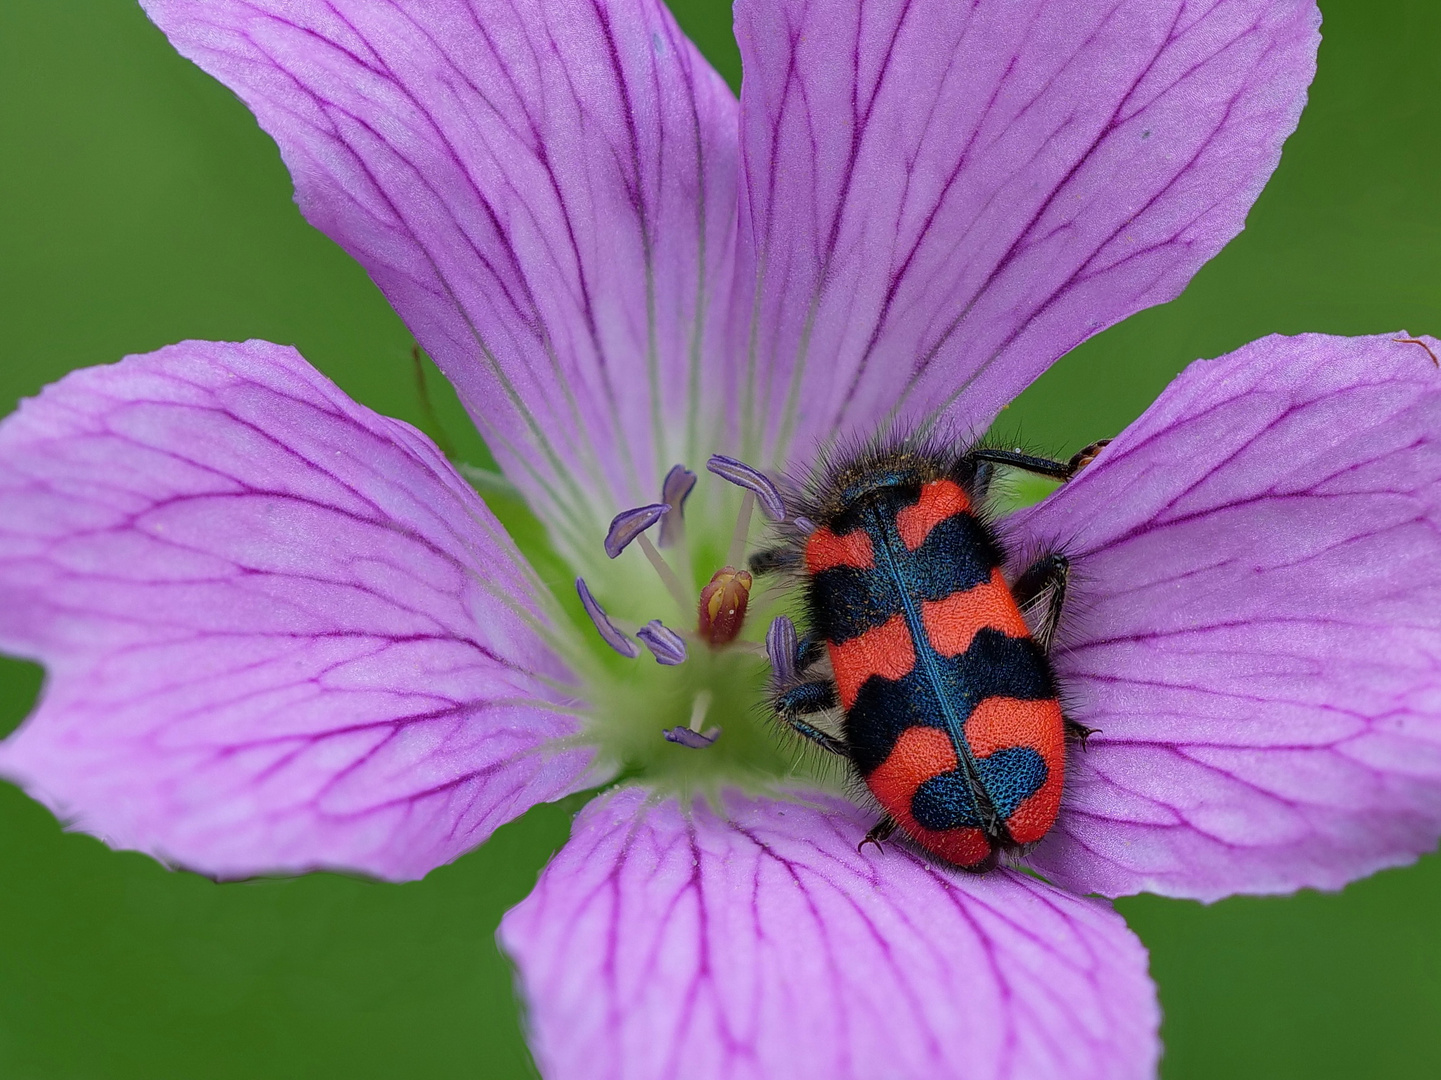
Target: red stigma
[(722, 607)]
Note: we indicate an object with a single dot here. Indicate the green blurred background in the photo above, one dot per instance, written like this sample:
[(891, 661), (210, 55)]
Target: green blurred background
[(139, 204)]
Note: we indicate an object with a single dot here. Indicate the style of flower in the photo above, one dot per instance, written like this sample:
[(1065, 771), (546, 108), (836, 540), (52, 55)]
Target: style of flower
[(282, 633)]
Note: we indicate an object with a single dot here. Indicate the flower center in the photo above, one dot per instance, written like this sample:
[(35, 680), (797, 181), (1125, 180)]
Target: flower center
[(683, 702)]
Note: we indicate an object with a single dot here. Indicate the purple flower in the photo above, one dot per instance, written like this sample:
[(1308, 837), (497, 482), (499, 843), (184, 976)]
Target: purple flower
[(282, 633)]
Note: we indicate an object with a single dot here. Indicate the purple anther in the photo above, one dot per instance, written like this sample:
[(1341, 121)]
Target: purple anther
[(781, 643), (629, 524), (665, 644), (608, 632), (742, 475), (804, 525), (696, 740), (674, 493)]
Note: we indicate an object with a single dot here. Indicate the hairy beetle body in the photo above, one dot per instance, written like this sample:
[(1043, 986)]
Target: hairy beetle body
[(951, 711)]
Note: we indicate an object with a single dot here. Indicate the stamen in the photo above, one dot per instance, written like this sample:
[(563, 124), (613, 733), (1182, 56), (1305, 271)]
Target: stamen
[(665, 644), (804, 525), (742, 475), (667, 575), (781, 642), (699, 707), (693, 737), (737, 553), (629, 524), (674, 492), (608, 631), (694, 740)]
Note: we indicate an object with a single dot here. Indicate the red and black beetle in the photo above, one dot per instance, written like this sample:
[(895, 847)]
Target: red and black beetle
[(951, 710)]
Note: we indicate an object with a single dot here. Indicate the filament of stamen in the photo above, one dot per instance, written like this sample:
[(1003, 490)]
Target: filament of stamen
[(736, 555), (699, 707), (751, 648), (667, 575), (681, 550), (677, 536)]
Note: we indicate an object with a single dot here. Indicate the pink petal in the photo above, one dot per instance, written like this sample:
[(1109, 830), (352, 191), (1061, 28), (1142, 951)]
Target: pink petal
[(943, 198), (762, 944), (546, 193), (281, 633), (1256, 626)]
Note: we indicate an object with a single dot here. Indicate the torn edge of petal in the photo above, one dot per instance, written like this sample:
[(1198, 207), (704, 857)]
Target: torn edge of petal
[(781, 644), (665, 644), (742, 475), (1407, 339), (629, 524), (694, 740), (674, 492), (609, 633)]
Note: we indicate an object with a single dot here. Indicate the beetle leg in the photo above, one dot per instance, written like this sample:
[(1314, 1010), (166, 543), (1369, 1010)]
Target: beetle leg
[(879, 833), (815, 696), (807, 699), (1044, 578), (773, 560), (982, 474), (1057, 470), (1086, 454), (809, 652), (1050, 574), (828, 743)]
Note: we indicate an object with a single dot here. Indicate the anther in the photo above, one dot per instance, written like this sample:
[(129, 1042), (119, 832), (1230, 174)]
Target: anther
[(722, 607), (742, 475), (693, 737), (608, 631), (674, 492), (781, 642), (629, 524), (695, 740), (664, 644)]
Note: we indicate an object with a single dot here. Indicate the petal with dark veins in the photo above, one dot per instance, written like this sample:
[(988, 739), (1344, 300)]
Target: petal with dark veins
[(942, 198), (544, 191), (759, 943), (280, 632), (1254, 625)]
